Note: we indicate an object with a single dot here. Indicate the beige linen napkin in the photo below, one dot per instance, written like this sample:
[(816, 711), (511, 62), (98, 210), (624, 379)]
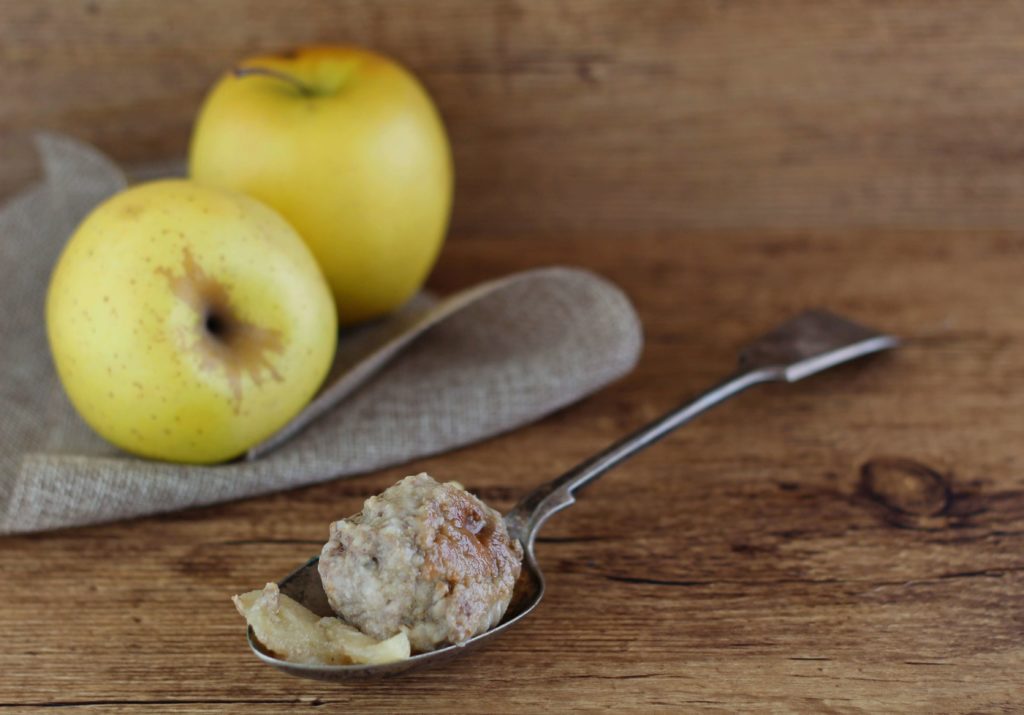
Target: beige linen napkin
[(437, 375)]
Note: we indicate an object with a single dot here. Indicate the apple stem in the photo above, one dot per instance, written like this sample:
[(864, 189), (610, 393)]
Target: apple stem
[(305, 89)]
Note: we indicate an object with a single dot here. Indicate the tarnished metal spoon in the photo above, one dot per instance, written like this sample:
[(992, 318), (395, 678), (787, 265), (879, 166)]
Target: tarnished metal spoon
[(811, 342)]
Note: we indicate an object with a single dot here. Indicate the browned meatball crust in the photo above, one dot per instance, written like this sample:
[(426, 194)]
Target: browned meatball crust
[(425, 557)]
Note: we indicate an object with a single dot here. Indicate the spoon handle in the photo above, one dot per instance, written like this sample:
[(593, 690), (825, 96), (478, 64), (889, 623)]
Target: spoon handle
[(802, 346), (528, 515)]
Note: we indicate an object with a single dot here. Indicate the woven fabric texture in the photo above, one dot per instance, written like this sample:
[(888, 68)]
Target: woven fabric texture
[(437, 375)]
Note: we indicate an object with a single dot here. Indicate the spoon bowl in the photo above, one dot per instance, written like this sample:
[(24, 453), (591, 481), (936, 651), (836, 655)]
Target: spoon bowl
[(807, 344), (304, 586)]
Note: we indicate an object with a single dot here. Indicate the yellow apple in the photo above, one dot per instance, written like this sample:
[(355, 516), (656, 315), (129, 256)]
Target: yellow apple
[(347, 146), (188, 323)]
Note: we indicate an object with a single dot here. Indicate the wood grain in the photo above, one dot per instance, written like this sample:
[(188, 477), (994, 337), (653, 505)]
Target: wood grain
[(582, 115), (847, 544)]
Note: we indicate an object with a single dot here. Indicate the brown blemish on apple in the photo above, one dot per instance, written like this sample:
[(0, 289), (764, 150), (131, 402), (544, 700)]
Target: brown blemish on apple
[(224, 341), (132, 211)]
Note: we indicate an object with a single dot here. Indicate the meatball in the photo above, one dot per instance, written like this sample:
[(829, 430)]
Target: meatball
[(424, 557)]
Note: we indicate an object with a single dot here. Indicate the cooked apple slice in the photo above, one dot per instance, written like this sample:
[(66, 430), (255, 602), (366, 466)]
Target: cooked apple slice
[(291, 631)]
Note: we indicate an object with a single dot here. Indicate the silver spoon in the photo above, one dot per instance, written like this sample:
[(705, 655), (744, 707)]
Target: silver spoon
[(811, 342)]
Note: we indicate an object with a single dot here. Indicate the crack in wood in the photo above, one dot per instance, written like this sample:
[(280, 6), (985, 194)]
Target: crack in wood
[(731, 582), (638, 676), (570, 539), (315, 702), (984, 573), (970, 539), (267, 542)]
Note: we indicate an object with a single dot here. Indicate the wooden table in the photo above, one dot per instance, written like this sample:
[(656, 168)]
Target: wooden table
[(851, 543), (848, 544)]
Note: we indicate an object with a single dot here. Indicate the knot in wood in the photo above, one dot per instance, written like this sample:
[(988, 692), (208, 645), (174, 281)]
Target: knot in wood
[(905, 486)]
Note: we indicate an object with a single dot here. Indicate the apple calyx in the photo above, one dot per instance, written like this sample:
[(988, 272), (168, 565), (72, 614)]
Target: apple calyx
[(224, 342), (303, 88), (216, 326)]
